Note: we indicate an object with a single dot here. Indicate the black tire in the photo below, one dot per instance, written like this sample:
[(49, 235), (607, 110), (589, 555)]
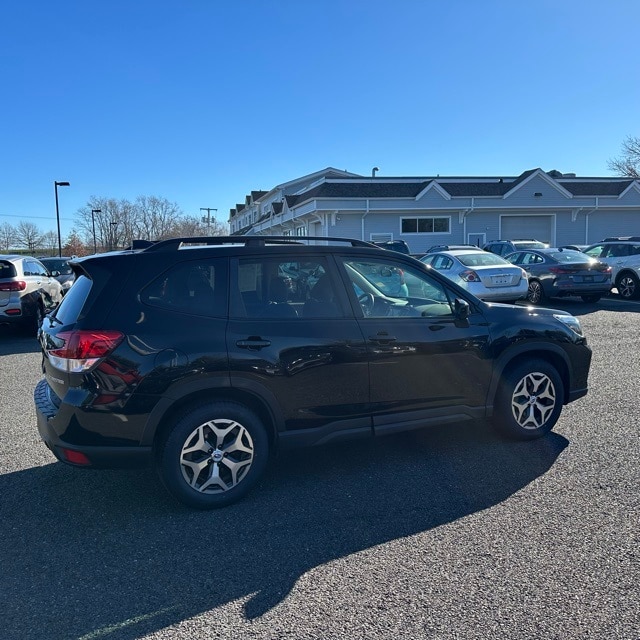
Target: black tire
[(529, 400), (535, 293), (594, 297), (35, 321), (203, 467), (628, 286)]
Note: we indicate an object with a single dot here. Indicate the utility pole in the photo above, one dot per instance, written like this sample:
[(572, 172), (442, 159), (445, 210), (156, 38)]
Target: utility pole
[(207, 218)]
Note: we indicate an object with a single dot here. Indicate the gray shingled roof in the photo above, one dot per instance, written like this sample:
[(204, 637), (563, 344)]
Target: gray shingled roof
[(369, 188)]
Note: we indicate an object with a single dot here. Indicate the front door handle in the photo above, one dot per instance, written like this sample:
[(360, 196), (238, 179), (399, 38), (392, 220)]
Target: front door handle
[(382, 338), (253, 343)]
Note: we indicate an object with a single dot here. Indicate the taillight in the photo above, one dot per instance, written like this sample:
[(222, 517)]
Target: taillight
[(80, 350), (13, 285), (561, 270), (470, 276)]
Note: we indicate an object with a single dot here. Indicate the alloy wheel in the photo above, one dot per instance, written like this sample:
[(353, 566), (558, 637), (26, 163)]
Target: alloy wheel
[(535, 293), (627, 287), (216, 456), (533, 400)]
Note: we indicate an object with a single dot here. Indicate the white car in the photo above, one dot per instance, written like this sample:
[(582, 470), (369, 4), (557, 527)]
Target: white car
[(28, 291), (623, 256), (486, 275)]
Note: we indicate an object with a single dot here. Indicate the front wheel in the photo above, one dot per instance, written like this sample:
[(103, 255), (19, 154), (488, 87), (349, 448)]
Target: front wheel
[(529, 400), (535, 293), (35, 322), (213, 455), (628, 286)]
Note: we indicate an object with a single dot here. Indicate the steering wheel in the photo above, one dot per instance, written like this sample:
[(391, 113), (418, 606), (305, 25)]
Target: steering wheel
[(366, 301)]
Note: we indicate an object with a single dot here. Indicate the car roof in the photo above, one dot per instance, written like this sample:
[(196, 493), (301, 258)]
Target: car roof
[(464, 252)]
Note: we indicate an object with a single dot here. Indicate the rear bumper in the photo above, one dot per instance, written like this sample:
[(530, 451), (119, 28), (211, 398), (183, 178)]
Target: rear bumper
[(14, 319), (106, 457)]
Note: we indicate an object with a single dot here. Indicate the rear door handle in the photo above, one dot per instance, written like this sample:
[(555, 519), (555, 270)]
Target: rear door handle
[(253, 343)]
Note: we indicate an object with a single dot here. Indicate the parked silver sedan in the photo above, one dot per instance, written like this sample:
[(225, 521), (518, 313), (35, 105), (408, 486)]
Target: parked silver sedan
[(486, 275)]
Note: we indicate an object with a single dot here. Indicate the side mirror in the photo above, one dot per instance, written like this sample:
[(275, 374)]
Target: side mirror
[(461, 310), (54, 274)]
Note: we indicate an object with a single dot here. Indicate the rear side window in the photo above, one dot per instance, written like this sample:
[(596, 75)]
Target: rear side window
[(194, 287), (7, 269), (282, 288), (69, 310)]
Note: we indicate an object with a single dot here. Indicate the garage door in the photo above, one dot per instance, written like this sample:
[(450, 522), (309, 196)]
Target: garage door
[(538, 227)]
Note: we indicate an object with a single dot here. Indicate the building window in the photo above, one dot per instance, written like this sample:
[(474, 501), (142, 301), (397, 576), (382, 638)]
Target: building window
[(301, 231), (426, 225)]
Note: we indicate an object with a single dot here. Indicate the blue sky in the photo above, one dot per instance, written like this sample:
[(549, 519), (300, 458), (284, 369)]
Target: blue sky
[(202, 101)]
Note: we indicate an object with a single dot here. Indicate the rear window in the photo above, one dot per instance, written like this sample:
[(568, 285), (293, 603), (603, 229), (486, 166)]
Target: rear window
[(7, 269), (69, 310), (480, 259), (58, 265), (569, 256)]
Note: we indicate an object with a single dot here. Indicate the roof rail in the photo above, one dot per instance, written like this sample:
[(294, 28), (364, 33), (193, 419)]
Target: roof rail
[(173, 244), (623, 238)]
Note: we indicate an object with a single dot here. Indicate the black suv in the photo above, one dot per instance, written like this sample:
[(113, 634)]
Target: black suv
[(197, 354)]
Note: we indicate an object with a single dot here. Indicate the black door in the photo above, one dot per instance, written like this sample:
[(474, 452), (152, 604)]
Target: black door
[(424, 364)]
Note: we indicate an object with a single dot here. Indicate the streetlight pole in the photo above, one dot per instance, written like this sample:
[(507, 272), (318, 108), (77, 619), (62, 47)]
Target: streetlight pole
[(208, 218), (56, 185), (114, 226), (93, 222)]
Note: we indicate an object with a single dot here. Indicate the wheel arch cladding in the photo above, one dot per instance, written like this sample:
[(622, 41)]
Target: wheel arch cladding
[(556, 357), (163, 423)]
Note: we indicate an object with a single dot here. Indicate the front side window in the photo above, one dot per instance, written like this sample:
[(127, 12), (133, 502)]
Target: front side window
[(426, 224), (392, 289)]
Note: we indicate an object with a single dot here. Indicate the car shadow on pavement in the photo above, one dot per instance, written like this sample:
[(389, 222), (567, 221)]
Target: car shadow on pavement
[(16, 340), (106, 554), (577, 307)]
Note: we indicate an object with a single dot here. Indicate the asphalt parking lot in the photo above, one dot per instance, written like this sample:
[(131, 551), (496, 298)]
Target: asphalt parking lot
[(446, 533)]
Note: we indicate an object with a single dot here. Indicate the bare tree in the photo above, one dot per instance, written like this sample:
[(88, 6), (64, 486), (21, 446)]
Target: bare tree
[(28, 235), (49, 242), (7, 236), (156, 217), (628, 164), (192, 226)]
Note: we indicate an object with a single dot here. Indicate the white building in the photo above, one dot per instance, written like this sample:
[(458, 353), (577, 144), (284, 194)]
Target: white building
[(546, 205)]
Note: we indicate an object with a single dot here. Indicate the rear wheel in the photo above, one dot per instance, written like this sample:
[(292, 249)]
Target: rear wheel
[(628, 286), (529, 400), (591, 298), (213, 455), (535, 294)]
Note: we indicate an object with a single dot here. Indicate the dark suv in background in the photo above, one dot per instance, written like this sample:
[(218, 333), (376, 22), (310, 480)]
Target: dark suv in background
[(394, 245), (60, 270), (505, 247), (198, 355)]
